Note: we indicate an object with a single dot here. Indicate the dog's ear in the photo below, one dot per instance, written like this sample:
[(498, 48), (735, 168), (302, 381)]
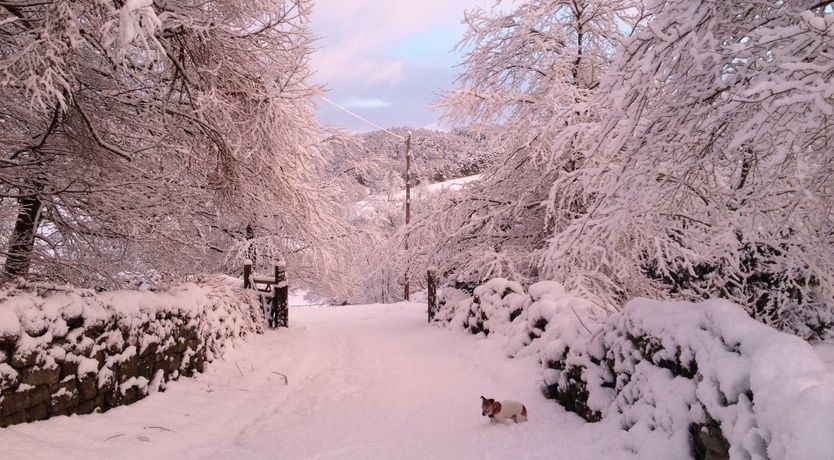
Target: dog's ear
[(483, 398)]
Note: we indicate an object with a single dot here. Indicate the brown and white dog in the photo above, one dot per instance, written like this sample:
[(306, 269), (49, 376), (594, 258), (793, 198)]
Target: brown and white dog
[(503, 411)]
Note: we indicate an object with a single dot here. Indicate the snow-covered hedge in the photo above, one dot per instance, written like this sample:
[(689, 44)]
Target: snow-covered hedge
[(545, 317), (705, 375), (66, 351)]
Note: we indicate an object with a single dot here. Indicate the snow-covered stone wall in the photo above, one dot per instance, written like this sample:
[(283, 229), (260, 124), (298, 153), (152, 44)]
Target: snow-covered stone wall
[(703, 374), (71, 351)]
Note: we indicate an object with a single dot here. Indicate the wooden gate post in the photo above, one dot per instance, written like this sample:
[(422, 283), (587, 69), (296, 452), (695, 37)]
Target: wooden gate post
[(247, 275), (279, 316), (431, 284), (251, 252)]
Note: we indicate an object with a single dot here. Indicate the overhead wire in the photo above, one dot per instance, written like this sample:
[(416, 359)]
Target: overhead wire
[(361, 118)]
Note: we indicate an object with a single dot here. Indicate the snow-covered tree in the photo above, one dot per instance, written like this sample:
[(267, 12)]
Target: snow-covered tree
[(717, 146), (148, 135), (375, 163), (528, 77)]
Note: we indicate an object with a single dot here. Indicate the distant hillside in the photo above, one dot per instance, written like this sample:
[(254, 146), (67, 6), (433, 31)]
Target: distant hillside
[(437, 156)]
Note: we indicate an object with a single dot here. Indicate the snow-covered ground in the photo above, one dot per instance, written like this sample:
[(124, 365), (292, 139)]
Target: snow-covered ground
[(366, 382), (375, 202), (451, 184), (303, 298), (826, 352)]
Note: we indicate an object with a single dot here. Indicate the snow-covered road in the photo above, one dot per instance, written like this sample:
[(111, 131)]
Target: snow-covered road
[(366, 382)]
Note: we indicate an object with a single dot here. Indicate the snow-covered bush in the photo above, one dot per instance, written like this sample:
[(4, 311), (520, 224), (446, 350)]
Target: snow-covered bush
[(531, 321), (705, 375), (65, 350), (494, 305), (553, 321), (452, 306), (488, 308), (704, 370)]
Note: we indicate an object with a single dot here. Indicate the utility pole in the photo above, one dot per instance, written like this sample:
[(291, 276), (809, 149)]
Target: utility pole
[(407, 206), (407, 174)]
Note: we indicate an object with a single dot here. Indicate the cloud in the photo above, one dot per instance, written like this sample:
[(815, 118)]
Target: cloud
[(360, 39), (396, 52), (337, 67), (360, 103)]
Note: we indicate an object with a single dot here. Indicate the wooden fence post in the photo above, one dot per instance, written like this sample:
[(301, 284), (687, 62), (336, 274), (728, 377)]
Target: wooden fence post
[(280, 297), (247, 275), (251, 252), (431, 285)]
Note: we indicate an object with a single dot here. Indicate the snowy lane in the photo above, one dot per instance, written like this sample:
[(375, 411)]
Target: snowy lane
[(383, 389), (367, 382)]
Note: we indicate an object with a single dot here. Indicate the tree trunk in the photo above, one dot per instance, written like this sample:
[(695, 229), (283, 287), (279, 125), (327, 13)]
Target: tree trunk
[(22, 241)]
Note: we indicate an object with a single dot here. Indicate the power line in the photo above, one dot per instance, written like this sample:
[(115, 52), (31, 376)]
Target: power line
[(407, 140), (361, 118)]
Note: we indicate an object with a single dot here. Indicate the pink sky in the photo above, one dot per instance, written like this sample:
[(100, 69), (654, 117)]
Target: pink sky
[(387, 59)]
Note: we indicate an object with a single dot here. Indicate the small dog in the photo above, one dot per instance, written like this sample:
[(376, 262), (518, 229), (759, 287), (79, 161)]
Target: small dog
[(502, 411)]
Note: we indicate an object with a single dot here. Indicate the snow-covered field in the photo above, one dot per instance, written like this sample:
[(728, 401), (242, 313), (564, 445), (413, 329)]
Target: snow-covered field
[(368, 382), (375, 202)]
